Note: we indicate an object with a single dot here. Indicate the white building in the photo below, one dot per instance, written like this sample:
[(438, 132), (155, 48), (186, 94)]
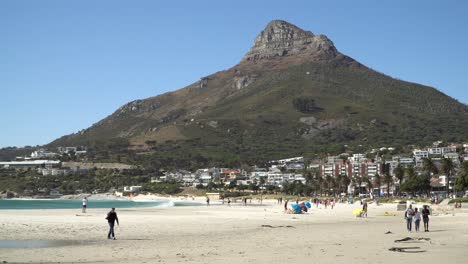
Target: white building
[(132, 189), (435, 151), (453, 156), (30, 163), (292, 160), (42, 153), (404, 161), (357, 158), (328, 170), (420, 154), (333, 159)]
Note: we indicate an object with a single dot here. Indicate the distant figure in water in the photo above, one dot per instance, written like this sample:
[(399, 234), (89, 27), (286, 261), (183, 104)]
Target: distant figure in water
[(85, 203), (111, 219), (207, 201), (229, 202)]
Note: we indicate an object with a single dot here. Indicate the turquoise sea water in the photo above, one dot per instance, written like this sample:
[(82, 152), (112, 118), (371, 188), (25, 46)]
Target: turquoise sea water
[(73, 204)]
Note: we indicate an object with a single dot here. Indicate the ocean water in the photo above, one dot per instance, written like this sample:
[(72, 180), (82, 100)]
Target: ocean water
[(76, 204)]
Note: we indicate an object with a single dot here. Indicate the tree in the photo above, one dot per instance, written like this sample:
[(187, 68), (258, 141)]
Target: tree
[(461, 183), (399, 174), (211, 186), (388, 180), (377, 182), (232, 184), (420, 183), (339, 179), (410, 172), (345, 181), (358, 179), (262, 181), (368, 183), (329, 183), (448, 168), (429, 166), (319, 180)]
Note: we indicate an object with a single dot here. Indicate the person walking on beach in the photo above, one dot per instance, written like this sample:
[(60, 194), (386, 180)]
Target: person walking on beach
[(409, 217), (85, 203), (229, 201), (364, 209), (286, 205), (207, 201), (111, 219), (425, 215), (417, 219)]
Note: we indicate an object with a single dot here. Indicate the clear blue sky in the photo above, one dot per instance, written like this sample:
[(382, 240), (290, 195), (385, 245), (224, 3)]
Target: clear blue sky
[(65, 65)]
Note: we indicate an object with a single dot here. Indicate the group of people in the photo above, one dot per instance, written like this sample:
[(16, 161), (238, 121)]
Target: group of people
[(416, 215), (279, 200), (326, 202), (411, 215)]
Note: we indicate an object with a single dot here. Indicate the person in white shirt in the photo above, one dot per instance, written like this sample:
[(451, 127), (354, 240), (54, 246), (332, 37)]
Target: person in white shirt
[(85, 203), (409, 217), (417, 219)]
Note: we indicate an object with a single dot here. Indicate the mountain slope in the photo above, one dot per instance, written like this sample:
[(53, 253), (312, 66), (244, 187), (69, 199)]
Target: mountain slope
[(293, 93)]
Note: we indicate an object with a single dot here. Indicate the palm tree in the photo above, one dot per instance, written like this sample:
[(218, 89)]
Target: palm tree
[(410, 172), (345, 181), (368, 183), (429, 166), (399, 174), (319, 181), (358, 179), (448, 167), (329, 182), (388, 179), (339, 181), (461, 183), (378, 181)]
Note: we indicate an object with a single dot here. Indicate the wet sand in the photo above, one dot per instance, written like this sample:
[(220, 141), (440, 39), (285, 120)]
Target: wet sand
[(236, 234)]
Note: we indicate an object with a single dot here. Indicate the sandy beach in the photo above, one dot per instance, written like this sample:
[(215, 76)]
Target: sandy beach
[(236, 234)]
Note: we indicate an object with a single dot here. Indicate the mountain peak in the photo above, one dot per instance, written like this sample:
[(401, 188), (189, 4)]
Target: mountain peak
[(281, 38)]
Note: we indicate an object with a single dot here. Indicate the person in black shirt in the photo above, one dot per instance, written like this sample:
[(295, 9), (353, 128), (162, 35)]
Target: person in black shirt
[(425, 214), (111, 219)]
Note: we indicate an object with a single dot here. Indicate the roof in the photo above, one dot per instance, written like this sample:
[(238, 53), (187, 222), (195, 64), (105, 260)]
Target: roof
[(30, 162)]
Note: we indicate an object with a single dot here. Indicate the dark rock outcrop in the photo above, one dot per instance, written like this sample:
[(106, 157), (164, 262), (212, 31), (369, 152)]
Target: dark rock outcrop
[(281, 38)]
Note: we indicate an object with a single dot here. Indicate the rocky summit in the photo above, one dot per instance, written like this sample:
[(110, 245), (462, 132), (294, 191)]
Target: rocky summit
[(292, 94), (281, 38)]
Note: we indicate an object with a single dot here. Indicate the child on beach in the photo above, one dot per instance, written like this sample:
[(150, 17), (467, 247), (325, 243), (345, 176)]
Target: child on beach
[(417, 219), (85, 203), (364, 209)]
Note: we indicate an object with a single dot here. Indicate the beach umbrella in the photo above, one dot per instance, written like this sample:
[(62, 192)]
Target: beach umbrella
[(296, 208), (307, 204)]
